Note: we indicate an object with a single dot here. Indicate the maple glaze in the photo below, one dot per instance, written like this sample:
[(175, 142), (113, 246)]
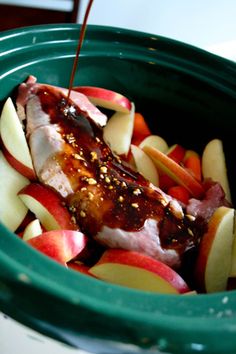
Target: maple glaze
[(106, 191)]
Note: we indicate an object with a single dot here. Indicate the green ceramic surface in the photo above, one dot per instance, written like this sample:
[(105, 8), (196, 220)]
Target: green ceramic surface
[(188, 97)]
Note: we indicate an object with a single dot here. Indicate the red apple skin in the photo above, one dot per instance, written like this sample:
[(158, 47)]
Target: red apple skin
[(61, 245), (79, 267), (105, 98), (176, 152), (135, 259), (52, 202), (17, 165)]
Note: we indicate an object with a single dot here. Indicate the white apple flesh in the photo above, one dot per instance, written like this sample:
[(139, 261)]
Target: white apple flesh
[(144, 165), (15, 147), (12, 209), (118, 131), (156, 142), (33, 229), (214, 165), (215, 251)]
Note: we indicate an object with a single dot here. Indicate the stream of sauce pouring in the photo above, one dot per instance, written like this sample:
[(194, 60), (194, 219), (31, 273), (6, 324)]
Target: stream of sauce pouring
[(80, 43)]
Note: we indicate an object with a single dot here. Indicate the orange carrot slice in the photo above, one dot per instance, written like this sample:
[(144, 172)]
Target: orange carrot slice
[(141, 130), (180, 193), (179, 174), (192, 162)]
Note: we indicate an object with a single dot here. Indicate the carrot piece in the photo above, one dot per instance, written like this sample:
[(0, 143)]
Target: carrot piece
[(180, 193), (141, 130), (165, 182), (192, 163)]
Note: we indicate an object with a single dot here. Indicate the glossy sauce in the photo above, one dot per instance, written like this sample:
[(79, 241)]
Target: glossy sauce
[(106, 191)]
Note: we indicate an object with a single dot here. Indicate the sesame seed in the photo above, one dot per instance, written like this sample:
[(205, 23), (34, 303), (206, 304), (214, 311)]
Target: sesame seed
[(103, 169), (94, 155), (190, 217), (90, 195), (73, 219), (137, 191), (82, 214), (190, 232), (134, 205), (78, 157), (91, 181), (107, 179), (120, 199)]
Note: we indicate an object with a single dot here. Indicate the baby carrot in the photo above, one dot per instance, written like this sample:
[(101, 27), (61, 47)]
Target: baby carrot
[(192, 162), (180, 193), (141, 129)]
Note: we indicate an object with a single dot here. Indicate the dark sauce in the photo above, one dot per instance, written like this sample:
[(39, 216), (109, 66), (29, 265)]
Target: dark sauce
[(106, 190)]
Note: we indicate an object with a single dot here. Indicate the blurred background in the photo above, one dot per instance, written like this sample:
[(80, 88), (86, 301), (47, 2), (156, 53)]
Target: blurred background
[(208, 24)]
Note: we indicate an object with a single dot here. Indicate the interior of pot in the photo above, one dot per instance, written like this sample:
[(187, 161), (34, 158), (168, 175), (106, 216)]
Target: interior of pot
[(187, 96)]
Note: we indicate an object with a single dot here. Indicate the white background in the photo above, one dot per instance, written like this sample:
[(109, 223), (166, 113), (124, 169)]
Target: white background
[(209, 24)]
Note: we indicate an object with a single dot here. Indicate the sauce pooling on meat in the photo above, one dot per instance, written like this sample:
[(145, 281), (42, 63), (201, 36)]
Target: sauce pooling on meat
[(106, 191)]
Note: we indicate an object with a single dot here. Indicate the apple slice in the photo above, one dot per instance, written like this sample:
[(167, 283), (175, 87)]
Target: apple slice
[(135, 270), (79, 267), (61, 245), (156, 142), (105, 98), (232, 273), (47, 207), (15, 147), (33, 229), (176, 152), (168, 166), (215, 251), (214, 166), (144, 165), (12, 210), (118, 131)]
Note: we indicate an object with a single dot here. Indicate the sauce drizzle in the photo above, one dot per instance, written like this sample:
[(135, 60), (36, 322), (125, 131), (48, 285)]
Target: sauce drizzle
[(80, 43)]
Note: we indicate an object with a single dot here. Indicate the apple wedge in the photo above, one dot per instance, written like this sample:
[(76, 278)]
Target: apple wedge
[(33, 229), (79, 267), (215, 251), (144, 165), (105, 98), (47, 207), (12, 210), (232, 273), (61, 245), (138, 271), (176, 152), (118, 131), (214, 166), (156, 142), (177, 173), (14, 144)]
